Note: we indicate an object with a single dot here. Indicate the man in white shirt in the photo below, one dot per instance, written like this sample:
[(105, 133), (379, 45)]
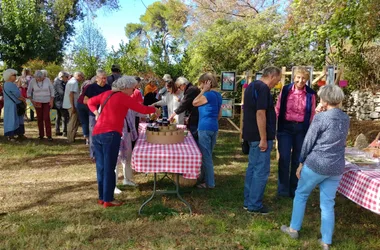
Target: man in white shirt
[(69, 102)]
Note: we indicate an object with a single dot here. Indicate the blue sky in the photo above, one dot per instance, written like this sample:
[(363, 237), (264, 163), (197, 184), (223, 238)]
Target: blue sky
[(112, 24)]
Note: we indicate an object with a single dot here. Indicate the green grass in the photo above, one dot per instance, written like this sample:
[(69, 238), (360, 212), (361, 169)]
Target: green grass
[(48, 195)]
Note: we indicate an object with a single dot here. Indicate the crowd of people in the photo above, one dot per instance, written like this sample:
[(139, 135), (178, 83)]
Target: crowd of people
[(311, 139)]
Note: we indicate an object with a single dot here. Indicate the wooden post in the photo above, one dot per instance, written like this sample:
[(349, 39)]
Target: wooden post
[(248, 78)]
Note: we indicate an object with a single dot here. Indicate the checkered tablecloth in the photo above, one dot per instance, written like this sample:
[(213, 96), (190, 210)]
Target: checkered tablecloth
[(362, 187), (182, 158)]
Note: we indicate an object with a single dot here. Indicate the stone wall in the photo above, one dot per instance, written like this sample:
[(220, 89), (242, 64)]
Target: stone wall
[(363, 105)]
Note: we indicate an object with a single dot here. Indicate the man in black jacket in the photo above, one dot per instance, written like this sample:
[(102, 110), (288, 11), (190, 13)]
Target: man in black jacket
[(190, 92), (59, 92)]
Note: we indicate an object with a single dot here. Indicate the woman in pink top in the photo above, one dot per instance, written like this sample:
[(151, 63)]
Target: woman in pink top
[(295, 109), (114, 105)]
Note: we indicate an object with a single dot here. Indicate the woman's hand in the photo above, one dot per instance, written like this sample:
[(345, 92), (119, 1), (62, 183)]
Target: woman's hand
[(51, 104), (206, 86), (158, 112), (299, 169)]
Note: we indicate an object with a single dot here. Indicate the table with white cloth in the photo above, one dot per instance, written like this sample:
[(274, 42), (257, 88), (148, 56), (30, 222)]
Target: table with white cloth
[(181, 158), (361, 184)]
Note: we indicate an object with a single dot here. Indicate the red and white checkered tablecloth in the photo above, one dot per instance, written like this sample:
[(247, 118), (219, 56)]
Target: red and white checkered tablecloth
[(362, 187), (182, 158)]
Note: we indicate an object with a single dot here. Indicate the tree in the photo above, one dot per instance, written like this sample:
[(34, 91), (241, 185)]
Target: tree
[(240, 45), (40, 28), (90, 49), (161, 31)]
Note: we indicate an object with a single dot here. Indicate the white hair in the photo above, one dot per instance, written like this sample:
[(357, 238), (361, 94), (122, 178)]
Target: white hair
[(8, 73), (78, 73), (124, 82), (44, 71), (39, 74), (182, 81), (100, 72), (332, 94), (63, 74)]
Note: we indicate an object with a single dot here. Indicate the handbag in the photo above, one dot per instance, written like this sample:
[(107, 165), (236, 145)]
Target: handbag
[(20, 107)]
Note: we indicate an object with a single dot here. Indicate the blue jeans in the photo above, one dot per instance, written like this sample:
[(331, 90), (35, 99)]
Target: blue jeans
[(83, 111), (92, 123), (327, 188), (194, 131), (106, 151), (206, 143), (257, 175), (289, 147)]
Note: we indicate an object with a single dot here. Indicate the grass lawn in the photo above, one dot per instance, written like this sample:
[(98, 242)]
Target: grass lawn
[(48, 196)]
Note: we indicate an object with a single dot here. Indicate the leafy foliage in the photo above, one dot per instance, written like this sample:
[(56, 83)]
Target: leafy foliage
[(32, 29), (90, 49), (52, 68)]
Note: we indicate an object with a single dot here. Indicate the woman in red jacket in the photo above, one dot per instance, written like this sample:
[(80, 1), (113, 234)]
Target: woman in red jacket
[(114, 105)]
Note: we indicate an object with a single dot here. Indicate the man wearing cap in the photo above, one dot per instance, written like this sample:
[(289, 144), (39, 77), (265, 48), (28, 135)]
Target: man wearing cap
[(116, 74)]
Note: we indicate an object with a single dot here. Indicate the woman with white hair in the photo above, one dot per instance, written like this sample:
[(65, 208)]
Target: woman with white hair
[(321, 163), (41, 93), (114, 105), (13, 122)]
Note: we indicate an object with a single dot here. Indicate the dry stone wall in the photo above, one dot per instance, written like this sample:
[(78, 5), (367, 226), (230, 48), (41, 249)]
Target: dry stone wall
[(363, 105)]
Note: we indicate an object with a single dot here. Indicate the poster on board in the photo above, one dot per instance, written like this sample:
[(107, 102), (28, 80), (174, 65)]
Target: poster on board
[(228, 80), (228, 108)]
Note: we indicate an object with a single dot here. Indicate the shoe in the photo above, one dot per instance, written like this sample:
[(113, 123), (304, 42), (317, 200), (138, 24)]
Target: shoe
[(49, 138), (11, 139), (40, 137), (100, 202), (58, 133), (22, 137), (245, 208), (324, 245), (129, 183), (112, 204), (64, 134), (117, 191), (87, 142), (264, 211), (292, 234)]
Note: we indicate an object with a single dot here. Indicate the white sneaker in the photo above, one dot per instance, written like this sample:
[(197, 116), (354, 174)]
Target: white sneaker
[(129, 183), (117, 191)]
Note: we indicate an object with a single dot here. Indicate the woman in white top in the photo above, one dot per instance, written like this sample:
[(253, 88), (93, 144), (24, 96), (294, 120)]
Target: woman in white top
[(41, 93), (172, 99)]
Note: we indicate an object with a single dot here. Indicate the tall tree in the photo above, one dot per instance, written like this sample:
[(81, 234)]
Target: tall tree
[(40, 28), (90, 49)]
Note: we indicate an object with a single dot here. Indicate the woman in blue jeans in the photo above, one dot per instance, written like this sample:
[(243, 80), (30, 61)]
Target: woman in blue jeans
[(321, 163), (209, 104)]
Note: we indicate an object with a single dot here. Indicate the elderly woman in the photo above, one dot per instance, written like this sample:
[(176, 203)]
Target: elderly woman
[(114, 105), (172, 100), (41, 93), (209, 104), (186, 105), (295, 110), (321, 163), (13, 123), (59, 92)]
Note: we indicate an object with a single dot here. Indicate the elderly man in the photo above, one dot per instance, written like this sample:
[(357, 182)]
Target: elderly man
[(59, 93), (69, 102), (91, 91), (259, 129), (190, 92)]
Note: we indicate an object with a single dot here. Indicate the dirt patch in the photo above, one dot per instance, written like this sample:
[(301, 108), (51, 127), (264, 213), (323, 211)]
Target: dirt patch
[(369, 128)]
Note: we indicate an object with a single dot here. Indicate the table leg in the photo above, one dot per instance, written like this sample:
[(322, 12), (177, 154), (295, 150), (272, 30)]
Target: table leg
[(166, 192), (151, 197)]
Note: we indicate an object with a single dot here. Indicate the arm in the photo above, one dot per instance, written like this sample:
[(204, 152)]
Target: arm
[(278, 104), (51, 89), (200, 99), (220, 114), (72, 101), (93, 104), (310, 139), (262, 126), (30, 90), (313, 103)]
